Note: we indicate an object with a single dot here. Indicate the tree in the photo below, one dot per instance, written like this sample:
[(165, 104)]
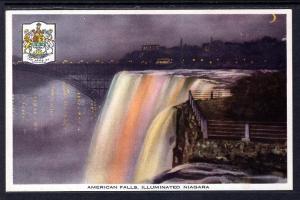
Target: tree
[(259, 97)]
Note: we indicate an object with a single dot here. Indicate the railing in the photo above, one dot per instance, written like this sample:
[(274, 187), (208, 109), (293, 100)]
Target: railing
[(202, 122), (254, 131), (238, 130), (214, 94)]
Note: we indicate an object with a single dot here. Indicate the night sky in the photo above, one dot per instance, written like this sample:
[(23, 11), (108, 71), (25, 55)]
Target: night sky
[(91, 37)]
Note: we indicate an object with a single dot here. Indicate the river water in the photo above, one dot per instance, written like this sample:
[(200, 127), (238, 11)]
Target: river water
[(53, 124)]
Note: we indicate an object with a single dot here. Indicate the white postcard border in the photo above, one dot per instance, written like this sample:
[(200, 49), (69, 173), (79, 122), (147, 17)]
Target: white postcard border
[(10, 187)]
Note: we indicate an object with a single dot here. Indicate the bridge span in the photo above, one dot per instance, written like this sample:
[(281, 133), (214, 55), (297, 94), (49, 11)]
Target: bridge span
[(92, 81)]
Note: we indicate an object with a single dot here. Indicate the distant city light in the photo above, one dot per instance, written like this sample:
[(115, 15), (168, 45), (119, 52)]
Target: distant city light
[(163, 61)]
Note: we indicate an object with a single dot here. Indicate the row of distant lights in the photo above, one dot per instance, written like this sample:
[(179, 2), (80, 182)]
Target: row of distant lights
[(202, 60), (218, 59), (82, 61), (130, 61), (79, 62)]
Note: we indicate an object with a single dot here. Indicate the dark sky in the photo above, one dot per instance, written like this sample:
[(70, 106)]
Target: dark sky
[(91, 37)]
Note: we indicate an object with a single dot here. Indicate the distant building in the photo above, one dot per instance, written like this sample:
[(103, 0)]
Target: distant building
[(112, 61), (181, 60), (150, 47), (163, 61)]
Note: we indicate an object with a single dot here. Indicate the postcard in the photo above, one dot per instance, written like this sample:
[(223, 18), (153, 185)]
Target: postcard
[(149, 100)]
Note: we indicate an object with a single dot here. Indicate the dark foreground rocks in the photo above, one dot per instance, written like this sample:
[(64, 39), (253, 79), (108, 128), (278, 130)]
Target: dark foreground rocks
[(207, 173)]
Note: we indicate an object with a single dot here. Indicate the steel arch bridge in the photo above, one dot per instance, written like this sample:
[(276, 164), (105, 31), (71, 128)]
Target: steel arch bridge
[(80, 78)]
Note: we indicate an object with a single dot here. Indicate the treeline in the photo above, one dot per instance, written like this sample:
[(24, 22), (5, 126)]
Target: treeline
[(260, 97)]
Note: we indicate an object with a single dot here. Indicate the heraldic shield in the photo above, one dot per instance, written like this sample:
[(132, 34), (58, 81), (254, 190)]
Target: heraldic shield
[(38, 43)]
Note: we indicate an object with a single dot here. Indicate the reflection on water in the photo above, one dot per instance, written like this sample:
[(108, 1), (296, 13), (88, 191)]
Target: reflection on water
[(29, 109), (53, 124)]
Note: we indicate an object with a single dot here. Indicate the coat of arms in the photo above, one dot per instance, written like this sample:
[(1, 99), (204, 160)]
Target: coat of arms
[(38, 43)]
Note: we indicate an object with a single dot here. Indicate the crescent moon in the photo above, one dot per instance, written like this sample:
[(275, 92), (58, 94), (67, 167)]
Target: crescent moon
[(273, 19)]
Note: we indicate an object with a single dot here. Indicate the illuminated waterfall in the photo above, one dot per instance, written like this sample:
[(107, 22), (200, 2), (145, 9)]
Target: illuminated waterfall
[(135, 133)]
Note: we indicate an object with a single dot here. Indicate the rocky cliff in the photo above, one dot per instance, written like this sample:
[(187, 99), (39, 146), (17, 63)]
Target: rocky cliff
[(255, 157)]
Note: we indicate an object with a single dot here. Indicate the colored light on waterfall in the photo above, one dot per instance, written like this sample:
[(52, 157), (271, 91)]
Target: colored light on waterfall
[(156, 153), (131, 142), (125, 141), (103, 142)]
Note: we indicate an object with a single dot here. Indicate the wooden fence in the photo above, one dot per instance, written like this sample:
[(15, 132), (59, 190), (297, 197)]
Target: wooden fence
[(202, 122), (254, 131), (238, 130), (214, 94)]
